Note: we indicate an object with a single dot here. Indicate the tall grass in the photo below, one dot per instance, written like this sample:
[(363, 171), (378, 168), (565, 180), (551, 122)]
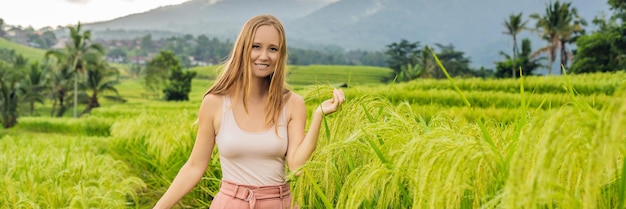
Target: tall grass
[(378, 155), (414, 145), (481, 99), (86, 126), (393, 159), (569, 159), (336, 74), (156, 144), (57, 171), (319, 74), (584, 84)]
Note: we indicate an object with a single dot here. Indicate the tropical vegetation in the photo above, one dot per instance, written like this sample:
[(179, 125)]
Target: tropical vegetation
[(428, 131), (492, 136)]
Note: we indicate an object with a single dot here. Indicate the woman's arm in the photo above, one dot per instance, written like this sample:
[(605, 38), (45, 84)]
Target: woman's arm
[(301, 146), (193, 170)]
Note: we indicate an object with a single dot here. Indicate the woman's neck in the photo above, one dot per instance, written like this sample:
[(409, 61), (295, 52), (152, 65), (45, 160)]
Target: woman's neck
[(258, 91), (259, 87)]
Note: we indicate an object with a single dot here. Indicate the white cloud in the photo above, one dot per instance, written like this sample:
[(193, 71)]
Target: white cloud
[(77, 1), (41, 13)]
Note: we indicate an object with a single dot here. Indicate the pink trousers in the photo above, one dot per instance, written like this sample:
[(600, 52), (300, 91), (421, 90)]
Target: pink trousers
[(236, 196)]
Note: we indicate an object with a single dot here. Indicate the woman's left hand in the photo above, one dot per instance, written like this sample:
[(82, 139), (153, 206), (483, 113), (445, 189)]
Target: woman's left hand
[(332, 105)]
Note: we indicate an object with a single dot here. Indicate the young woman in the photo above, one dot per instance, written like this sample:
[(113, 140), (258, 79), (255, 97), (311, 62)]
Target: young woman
[(257, 124)]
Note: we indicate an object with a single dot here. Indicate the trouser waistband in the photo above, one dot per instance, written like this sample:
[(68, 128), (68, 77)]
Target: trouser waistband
[(251, 194)]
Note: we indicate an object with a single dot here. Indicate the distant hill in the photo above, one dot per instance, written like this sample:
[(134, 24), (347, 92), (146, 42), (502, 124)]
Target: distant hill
[(32, 54), (474, 27), (222, 18)]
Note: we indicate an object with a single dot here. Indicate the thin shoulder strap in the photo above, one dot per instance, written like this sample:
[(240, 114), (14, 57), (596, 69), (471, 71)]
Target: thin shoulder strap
[(226, 103), (283, 115)]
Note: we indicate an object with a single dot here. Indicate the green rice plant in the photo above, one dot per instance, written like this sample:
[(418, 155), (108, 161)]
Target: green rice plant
[(536, 142), (552, 158), (134, 109), (396, 161), (406, 92), (87, 126), (548, 159), (340, 165), (450, 167), (570, 158), (336, 74), (207, 72), (450, 79), (156, 144), (565, 160), (60, 171), (317, 74), (480, 99), (584, 84), (127, 110), (133, 91)]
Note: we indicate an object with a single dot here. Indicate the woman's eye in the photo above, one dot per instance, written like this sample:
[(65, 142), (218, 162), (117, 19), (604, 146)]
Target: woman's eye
[(255, 46), (274, 49)]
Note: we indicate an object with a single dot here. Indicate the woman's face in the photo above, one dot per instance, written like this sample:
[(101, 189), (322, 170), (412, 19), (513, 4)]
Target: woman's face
[(265, 51)]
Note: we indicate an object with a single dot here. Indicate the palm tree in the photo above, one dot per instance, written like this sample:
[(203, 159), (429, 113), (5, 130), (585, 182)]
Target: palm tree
[(2, 28), (513, 27), (410, 72), (9, 91), (454, 61), (11, 75), (557, 26), (427, 62), (75, 53), (35, 85), (402, 53), (101, 78), (60, 79), (570, 32), (527, 64)]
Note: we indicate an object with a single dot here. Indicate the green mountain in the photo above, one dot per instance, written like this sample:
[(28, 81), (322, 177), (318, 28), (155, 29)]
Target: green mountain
[(474, 27), (221, 18)]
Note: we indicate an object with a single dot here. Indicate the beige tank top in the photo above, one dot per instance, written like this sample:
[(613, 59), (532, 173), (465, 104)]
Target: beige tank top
[(251, 158)]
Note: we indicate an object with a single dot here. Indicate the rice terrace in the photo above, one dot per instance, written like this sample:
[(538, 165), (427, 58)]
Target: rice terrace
[(535, 142), (87, 125)]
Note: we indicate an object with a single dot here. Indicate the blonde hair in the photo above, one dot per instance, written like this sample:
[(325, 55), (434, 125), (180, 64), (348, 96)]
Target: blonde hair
[(237, 70)]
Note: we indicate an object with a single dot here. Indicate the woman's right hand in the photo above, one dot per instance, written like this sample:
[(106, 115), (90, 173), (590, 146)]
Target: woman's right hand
[(333, 104)]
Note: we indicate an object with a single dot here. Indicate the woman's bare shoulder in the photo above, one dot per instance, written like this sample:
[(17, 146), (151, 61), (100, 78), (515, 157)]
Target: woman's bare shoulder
[(295, 99), (211, 103), (295, 106)]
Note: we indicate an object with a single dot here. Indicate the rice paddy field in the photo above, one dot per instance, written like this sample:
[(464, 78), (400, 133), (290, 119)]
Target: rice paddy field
[(537, 142), (27, 52)]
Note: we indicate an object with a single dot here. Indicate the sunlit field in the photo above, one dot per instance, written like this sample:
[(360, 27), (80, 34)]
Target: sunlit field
[(321, 74), (537, 142), (27, 52)]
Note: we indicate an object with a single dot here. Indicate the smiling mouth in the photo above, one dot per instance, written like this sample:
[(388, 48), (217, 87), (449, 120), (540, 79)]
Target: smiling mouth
[(262, 65)]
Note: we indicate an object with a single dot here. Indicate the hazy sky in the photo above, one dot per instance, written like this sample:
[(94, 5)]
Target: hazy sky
[(41, 13)]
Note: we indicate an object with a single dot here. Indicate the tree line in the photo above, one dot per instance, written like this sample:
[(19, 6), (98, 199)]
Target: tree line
[(43, 38), (81, 74), (78, 74), (202, 50), (190, 50), (560, 26)]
